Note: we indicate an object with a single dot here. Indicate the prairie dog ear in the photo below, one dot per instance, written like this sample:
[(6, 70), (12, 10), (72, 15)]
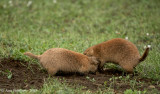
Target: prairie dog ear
[(94, 60), (88, 52), (85, 52), (92, 51)]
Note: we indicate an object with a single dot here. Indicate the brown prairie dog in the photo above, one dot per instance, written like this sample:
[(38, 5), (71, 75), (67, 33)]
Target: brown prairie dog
[(60, 59), (118, 51)]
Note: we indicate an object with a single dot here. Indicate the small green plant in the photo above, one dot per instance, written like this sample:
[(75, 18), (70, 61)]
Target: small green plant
[(125, 79), (113, 82), (25, 80), (105, 83), (90, 79), (133, 84), (9, 74), (130, 91), (3, 73)]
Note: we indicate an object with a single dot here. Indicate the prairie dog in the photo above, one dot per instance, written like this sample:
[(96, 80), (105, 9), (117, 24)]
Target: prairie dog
[(118, 51), (60, 59)]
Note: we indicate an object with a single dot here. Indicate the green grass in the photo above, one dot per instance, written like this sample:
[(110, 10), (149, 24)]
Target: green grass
[(79, 24)]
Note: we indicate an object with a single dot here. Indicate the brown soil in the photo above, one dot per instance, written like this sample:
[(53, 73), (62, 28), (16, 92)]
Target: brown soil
[(26, 76)]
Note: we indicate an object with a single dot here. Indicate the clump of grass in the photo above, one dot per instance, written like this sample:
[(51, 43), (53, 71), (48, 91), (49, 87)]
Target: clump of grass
[(54, 86), (130, 91)]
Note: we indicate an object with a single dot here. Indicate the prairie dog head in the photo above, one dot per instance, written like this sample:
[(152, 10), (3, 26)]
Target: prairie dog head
[(89, 52), (94, 63)]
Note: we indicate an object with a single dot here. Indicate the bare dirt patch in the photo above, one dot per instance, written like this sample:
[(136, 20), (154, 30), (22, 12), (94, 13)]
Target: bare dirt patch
[(15, 74), (24, 75)]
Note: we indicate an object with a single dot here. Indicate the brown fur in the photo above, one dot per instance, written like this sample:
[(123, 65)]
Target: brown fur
[(59, 59), (118, 51)]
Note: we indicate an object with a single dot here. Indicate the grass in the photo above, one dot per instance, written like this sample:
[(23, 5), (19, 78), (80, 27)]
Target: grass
[(79, 24)]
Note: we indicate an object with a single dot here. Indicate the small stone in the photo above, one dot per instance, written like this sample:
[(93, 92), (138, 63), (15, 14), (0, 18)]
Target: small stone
[(29, 3), (151, 86), (126, 38), (54, 1), (149, 46)]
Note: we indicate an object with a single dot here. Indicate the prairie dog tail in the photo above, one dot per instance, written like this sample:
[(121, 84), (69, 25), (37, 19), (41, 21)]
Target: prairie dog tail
[(144, 55), (32, 55)]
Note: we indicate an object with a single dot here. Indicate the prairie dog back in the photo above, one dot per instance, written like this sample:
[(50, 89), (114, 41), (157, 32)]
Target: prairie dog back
[(63, 59)]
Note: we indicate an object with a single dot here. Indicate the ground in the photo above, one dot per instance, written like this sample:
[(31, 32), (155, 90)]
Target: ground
[(28, 76)]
